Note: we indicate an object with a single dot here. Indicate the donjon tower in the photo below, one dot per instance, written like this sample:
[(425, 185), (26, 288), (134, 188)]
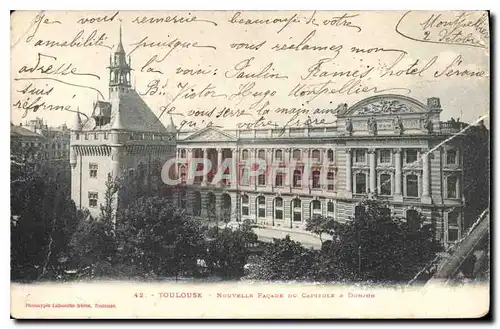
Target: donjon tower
[(122, 137)]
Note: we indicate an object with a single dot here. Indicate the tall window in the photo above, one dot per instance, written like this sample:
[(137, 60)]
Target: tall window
[(244, 176), (262, 179), (412, 185), (360, 156), (315, 208), (451, 185), (453, 226), (330, 155), (411, 156), (244, 155), (296, 154), (360, 183), (278, 155), (385, 156), (451, 157), (93, 170), (261, 207), (262, 154), (183, 153), (278, 208), (413, 220), (316, 155), (297, 178), (244, 205), (330, 180), (316, 179), (182, 174), (93, 197), (359, 211), (385, 184), (330, 209), (279, 179), (297, 210)]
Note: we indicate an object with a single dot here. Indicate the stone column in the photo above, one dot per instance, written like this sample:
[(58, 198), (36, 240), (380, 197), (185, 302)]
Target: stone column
[(348, 171), (234, 168), (373, 172), (425, 177), (398, 196), (306, 170), (269, 169), (205, 166), (219, 163)]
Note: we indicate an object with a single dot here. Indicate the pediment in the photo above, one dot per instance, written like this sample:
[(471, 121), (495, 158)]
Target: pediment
[(210, 134), (385, 105)]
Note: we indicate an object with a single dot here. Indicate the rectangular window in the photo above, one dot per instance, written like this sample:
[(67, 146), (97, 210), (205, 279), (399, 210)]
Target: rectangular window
[(279, 214), (93, 197), (77, 136), (262, 212), (451, 157), (330, 180), (411, 156), (93, 170), (105, 135), (244, 210), (279, 180), (278, 155), (412, 185), (262, 179), (297, 217), (385, 156), (451, 185), (279, 202), (86, 137), (330, 155), (360, 156), (360, 183), (385, 184), (316, 179), (452, 234), (296, 154), (297, 178)]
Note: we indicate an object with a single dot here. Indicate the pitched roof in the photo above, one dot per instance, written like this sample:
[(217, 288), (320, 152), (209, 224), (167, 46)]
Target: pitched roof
[(136, 115), (18, 131)]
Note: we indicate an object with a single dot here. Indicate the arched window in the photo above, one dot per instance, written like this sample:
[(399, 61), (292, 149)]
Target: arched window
[(315, 208), (261, 207), (412, 185), (296, 154), (278, 208), (297, 178), (316, 179), (330, 181), (197, 204), (316, 155), (262, 154), (244, 155), (360, 183), (182, 199), (279, 179), (244, 176), (413, 220), (182, 174), (359, 212), (278, 155), (244, 205), (296, 210), (330, 155), (330, 209)]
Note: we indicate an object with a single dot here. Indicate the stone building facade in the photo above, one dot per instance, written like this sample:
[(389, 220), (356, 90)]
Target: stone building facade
[(388, 147)]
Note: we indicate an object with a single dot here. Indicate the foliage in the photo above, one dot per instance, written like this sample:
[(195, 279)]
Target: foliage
[(158, 238), (319, 225), (228, 250), (108, 208), (284, 260)]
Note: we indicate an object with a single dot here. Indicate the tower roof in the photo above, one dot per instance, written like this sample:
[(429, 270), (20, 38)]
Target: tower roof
[(119, 48), (171, 128), (77, 123)]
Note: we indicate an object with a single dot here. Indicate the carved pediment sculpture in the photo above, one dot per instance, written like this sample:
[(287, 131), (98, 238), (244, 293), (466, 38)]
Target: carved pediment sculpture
[(372, 126), (397, 125)]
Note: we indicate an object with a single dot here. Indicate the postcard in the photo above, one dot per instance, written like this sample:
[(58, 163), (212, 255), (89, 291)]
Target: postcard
[(250, 164)]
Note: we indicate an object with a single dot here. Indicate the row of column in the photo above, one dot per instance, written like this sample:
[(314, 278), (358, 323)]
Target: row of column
[(372, 161)]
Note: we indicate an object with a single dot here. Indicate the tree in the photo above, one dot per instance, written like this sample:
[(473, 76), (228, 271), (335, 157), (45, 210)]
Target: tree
[(228, 250), (108, 209), (375, 246), (158, 238), (284, 260), (319, 225)]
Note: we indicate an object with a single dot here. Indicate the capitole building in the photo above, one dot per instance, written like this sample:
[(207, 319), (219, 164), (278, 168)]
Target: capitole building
[(387, 147)]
